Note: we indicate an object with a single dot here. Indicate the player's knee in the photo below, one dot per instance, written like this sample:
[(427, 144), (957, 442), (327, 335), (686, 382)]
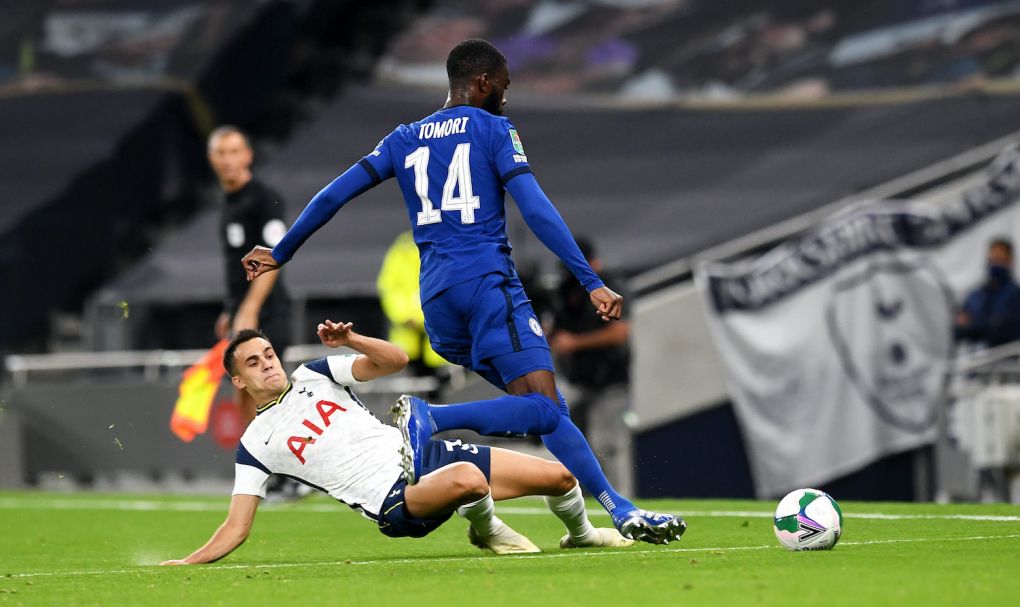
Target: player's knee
[(562, 480), (469, 483), (547, 413)]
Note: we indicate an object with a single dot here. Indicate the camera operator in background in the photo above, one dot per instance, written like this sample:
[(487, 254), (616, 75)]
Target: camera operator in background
[(594, 357), (990, 315)]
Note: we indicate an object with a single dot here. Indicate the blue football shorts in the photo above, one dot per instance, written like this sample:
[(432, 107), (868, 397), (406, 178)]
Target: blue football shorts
[(487, 324), (395, 521)]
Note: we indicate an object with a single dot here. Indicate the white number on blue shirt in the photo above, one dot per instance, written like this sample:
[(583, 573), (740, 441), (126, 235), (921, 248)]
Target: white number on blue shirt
[(457, 179), (419, 159)]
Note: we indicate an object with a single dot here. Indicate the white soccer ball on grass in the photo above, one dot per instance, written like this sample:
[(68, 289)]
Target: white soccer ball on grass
[(808, 519)]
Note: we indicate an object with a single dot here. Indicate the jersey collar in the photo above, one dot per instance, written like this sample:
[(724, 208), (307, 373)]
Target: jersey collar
[(262, 408)]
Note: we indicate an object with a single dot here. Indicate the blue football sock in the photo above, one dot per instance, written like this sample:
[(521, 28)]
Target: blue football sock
[(532, 414), (572, 449)]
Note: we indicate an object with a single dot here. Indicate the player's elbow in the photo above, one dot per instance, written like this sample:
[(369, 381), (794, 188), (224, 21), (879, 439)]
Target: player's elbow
[(396, 360), (240, 533), (401, 361), (237, 530)]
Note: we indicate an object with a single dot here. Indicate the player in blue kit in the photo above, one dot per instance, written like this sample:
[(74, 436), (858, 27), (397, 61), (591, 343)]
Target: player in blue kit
[(454, 168)]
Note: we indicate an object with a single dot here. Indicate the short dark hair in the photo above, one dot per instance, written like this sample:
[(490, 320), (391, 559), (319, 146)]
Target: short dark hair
[(1003, 242), (242, 336), (473, 58)]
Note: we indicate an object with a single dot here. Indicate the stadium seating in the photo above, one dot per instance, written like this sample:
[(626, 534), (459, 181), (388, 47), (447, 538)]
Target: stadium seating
[(101, 114), (655, 185), (104, 108), (714, 50)]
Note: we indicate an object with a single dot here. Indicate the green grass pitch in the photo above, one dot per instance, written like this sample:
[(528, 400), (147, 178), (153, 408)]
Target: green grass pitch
[(90, 549)]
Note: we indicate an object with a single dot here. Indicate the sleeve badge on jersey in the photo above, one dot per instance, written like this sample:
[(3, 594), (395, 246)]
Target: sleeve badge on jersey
[(273, 232), (376, 151), (516, 140), (235, 234)]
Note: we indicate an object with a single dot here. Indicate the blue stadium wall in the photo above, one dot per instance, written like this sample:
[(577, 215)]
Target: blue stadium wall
[(704, 455)]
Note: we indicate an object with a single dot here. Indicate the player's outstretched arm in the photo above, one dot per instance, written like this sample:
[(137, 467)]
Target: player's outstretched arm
[(547, 224), (230, 534), (247, 315), (321, 208), (378, 357)]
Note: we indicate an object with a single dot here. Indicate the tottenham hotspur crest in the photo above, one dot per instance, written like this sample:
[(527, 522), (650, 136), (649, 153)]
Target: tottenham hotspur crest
[(891, 325)]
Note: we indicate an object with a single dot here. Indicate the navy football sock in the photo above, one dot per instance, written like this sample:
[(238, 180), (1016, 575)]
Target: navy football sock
[(572, 449), (509, 415)]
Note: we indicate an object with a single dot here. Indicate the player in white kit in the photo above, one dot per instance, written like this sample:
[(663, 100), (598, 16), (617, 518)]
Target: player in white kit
[(313, 428)]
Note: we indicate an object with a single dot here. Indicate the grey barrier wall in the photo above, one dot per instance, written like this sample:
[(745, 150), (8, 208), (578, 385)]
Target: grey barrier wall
[(675, 368), (117, 425), (108, 426), (10, 449)]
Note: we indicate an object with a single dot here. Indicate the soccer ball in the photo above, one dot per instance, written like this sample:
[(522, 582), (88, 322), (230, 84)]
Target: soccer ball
[(808, 519)]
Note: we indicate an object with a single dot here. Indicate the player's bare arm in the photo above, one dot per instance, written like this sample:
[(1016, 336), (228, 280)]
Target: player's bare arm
[(258, 261), (608, 303), (228, 536), (378, 357), (611, 334), (247, 315)]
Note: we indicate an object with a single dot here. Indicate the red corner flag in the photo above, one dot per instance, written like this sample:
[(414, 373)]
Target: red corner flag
[(197, 390)]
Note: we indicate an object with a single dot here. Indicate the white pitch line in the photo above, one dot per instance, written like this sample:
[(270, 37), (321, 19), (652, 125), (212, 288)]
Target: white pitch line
[(196, 506), (763, 514), (457, 559)]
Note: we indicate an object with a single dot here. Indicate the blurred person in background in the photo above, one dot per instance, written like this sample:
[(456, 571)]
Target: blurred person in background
[(594, 357), (400, 298), (251, 214), (991, 313)]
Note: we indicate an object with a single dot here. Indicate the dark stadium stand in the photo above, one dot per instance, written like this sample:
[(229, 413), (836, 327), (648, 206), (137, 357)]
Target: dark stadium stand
[(53, 143), (724, 49), (104, 106), (88, 169), (689, 178), (654, 185), (100, 114)]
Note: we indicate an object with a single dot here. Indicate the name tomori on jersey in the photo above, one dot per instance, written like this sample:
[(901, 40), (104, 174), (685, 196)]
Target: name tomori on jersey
[(434, 130)]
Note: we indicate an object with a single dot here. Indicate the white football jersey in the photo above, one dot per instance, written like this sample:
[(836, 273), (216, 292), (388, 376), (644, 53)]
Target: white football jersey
[(319, 433)]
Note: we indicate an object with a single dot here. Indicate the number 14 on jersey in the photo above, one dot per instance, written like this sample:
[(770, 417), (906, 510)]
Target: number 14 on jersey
[(457, 179)]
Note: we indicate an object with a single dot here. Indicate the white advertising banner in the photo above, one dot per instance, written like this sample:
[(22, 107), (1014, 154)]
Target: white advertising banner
[(837, 343)]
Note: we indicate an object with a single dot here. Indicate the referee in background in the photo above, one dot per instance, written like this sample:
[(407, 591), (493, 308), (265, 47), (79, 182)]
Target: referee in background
[(251, 214)]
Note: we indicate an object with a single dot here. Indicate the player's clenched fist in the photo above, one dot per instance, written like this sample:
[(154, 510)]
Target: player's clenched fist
[(259, 261), (608, 303)]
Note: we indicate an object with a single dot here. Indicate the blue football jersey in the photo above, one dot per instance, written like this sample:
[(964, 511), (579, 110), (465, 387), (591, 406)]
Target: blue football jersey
[(452, 168)]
